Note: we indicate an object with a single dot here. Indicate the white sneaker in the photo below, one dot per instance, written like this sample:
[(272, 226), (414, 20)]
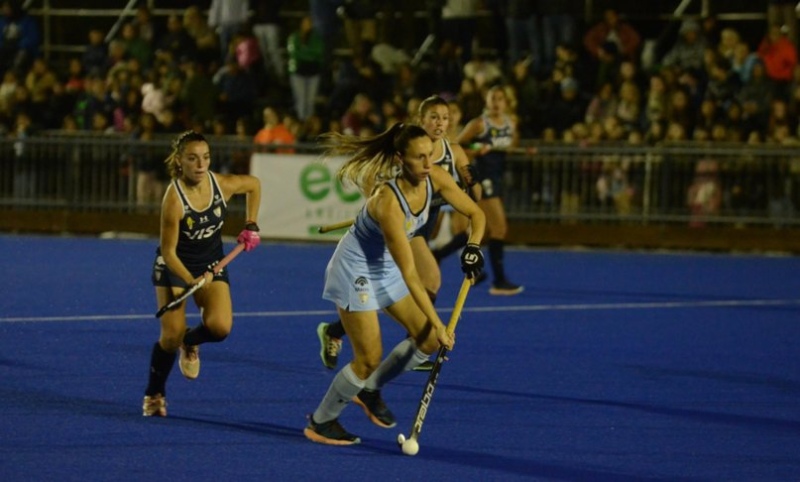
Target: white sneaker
[(189, 361), (154, 406)]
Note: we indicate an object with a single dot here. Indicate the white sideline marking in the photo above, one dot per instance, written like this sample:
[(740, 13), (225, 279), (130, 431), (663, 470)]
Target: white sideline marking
[(646, 305)]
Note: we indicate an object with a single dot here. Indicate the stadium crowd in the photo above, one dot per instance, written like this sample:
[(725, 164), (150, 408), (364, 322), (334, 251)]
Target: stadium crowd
[(236, 68)]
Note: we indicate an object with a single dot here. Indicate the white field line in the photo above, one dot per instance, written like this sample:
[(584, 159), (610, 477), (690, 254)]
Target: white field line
[(646, 305)]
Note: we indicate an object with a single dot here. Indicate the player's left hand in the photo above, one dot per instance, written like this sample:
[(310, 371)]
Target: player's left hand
[(446, 339), (249, 236), (472, 260)]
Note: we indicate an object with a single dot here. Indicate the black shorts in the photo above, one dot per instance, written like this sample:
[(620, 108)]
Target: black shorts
[(162, 276), (492, 186)]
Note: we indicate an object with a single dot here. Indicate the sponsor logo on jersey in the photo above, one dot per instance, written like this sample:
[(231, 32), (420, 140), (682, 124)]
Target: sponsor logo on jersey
[(362, 289)]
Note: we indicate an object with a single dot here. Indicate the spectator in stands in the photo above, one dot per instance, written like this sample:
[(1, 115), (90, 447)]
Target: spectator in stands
[(95, 54), (484, 71), (723, 84), (24, 170), (603, 105), (707, 115), (227, 17), (360, 116), (679, 111), (655, 105), (135, 46), (206, 41), (145, 24), (153, 98), (326, 21), (306, 61), (689, 50), (779, 115), (569, 108), (361, 25), (612, 30), (526, 89), (8, 89), (274, 132), (522, 29), (783, 12), (245, 49), (150, 172), (559, 27), (704, 196), (459, 24), (93, 100), (42, 84), (729, 39), (629, 107), (267, 29), (779, 55), (742, 61), (19, 37), (198, 93), (237, 90), (176, 43)]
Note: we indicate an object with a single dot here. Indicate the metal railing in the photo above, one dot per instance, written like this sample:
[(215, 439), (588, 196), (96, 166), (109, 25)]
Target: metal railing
[(547, 183)]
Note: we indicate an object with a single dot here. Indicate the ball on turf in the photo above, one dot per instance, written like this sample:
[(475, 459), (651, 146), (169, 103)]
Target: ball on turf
[(410, 447)]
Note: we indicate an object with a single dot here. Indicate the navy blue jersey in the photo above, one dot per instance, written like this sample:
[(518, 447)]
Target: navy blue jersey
[(448, 163), (200, 237), (492, 163)]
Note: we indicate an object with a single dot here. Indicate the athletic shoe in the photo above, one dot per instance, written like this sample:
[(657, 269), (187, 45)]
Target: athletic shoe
[(154, 406), (375, 408), (505, 288), (329, 347), (425, 366), (189, 362), (331, 433)]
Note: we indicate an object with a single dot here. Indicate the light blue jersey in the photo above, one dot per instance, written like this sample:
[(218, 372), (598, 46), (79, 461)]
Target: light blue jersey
[(362, 275)]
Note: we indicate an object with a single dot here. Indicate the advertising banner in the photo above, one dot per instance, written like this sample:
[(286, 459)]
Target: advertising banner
[(300, 193)]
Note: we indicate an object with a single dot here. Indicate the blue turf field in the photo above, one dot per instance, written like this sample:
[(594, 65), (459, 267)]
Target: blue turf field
[(609, 367)]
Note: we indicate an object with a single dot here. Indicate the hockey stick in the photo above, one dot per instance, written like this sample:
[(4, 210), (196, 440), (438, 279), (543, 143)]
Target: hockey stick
[(335, 226), (410, 445), (190, 291)]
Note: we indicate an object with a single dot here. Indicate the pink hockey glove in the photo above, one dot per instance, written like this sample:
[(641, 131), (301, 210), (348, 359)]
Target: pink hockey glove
[(249, 236)]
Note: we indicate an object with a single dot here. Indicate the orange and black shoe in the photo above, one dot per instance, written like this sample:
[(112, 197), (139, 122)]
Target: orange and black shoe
[(330, 433), (375, 408)]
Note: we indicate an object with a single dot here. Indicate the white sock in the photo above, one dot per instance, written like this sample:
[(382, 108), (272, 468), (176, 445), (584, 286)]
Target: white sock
[(404, 356), (343, 388)]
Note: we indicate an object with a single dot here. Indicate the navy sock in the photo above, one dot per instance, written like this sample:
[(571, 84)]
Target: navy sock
[(160, 365), (496, 247), (199, 335), (335, 329)]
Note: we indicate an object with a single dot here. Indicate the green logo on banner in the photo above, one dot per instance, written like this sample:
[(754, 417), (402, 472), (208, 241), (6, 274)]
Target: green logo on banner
[(317, 182)]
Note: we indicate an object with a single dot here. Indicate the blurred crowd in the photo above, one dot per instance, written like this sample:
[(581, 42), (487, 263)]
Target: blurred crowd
[(240, 67)]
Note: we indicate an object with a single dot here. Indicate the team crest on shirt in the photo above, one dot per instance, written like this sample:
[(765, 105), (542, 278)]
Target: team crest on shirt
[(217, 211), (409, 225), (362, 289), (190, 222)]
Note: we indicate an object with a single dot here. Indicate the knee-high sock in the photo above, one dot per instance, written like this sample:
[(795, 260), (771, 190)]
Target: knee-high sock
[(403, 357), (496, 247), (343, 388), (457, 242), (160, 365), (199, 335)]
